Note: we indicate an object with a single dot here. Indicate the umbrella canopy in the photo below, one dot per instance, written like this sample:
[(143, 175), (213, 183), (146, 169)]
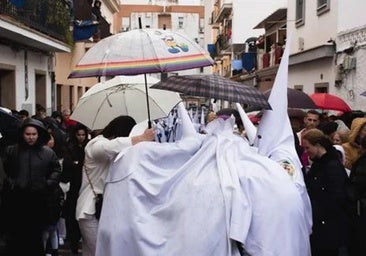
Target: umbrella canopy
[(141, 51), (328, 101), (296, 99), (363, 94), (216, 87), (122, 95), (9, 125)]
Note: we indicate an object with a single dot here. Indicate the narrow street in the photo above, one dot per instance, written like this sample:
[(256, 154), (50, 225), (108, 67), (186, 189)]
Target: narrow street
[(65, 251)]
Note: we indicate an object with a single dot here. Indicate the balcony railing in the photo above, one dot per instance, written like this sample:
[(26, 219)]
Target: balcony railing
[(222, 43), (269, 59), (50, 17)]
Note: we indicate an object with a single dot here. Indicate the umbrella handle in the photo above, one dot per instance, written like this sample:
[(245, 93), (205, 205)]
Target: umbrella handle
[(147, 103)]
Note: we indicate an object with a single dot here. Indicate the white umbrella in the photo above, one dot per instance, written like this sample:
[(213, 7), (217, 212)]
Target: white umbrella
[(122, 95)]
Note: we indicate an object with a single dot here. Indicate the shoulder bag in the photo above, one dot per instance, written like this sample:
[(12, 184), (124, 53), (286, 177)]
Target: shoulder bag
[(98, 197)]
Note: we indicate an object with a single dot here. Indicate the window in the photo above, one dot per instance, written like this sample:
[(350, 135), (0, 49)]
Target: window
[(321, 87), (180, 22), (299, 87), (323, 6), (300, 13)]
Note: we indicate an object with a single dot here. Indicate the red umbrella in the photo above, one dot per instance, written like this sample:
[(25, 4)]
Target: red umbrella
[(330, 102)]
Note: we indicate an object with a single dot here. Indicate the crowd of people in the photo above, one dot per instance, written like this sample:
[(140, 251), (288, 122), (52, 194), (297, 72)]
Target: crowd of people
[(332, 154), (54, 167), (41, 177)]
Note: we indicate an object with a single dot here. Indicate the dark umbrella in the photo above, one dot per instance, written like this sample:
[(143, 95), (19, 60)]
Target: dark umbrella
[(296, 99), (215, 87), (9, 125)]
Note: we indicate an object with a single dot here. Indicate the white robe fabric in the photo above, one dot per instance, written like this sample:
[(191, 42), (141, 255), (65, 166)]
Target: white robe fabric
[(195, 196), (275, 138)]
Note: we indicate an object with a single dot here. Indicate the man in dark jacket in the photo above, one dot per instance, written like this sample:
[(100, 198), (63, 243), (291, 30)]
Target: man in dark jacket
[(33, 171)]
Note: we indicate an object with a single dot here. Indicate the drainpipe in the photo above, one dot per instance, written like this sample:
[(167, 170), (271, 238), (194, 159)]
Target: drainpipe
[(26, 84)]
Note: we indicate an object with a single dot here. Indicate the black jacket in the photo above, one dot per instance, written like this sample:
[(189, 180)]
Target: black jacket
[(326, 182), (357, 188), (72, 172), (33, 167)]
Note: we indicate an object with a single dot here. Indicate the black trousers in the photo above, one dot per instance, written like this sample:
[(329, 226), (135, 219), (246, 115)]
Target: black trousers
[(25, 217), (73, 234)]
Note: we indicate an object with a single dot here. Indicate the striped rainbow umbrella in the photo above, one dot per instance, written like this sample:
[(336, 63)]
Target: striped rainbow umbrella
[(141, 51)]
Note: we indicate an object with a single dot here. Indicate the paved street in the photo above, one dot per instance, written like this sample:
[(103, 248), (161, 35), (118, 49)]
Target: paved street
[(65, 251)]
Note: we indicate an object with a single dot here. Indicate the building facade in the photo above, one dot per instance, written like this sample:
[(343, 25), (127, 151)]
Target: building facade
[(328, 48), (234, 23), (70, 90), (31, 33)]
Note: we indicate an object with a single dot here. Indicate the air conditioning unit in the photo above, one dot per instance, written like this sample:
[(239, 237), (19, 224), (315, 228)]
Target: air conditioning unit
[(201, 30), (349, 62), (301, 43)]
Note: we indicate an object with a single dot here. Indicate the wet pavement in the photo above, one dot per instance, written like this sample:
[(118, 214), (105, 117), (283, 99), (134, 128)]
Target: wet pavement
[(64, 250)]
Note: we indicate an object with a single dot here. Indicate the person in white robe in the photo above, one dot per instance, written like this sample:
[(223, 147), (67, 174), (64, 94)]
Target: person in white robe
[(99, 153), (201, 194)]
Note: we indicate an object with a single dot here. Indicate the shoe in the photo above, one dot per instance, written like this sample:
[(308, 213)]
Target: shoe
[(61, 241)]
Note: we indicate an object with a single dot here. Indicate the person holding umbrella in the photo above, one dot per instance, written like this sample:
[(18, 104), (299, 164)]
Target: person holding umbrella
[(99, 154)]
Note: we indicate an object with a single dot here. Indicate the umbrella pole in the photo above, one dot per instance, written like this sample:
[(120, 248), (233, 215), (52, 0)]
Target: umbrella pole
[(147, 91), (147, 103)]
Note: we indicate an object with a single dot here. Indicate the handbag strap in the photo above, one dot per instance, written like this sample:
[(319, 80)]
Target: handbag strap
[(90, 183)]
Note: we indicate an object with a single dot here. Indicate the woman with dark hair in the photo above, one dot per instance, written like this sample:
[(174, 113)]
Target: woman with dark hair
[(326, 182), (72, 172), (33, 172), (99, 153)]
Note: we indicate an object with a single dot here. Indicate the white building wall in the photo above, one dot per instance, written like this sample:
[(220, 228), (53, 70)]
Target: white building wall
[(317, 30), (349, 9), (190, 24), (355, 82), (108, 16), (161, 2), (310, 74), (209, 33), (37, 63), (352, 33)]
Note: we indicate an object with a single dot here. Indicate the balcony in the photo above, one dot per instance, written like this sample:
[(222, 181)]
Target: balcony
[(223, 10), (42, 24), (223, 42), (212, 20), (271, 58)]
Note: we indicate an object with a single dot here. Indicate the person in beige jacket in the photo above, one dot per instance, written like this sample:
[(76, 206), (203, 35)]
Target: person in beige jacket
[(99, 153), (352, 148)]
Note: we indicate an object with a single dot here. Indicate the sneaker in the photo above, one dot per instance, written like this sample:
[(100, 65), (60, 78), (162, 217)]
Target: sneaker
[(61, 241)]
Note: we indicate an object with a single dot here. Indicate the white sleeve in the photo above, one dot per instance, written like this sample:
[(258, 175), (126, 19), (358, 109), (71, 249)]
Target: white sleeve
[(105, 148)]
